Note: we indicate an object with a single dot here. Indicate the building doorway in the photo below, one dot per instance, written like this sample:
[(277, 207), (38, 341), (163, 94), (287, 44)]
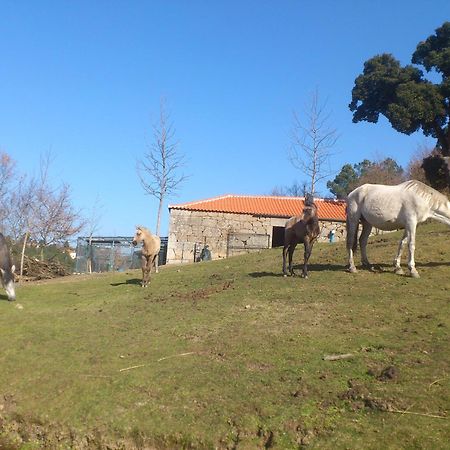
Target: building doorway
[(277, 236)]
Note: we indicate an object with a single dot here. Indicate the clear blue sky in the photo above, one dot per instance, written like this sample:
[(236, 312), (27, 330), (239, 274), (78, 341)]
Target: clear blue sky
[(84, 80)]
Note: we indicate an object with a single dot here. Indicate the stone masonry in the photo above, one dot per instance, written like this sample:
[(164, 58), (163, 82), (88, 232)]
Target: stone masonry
[(226, 234)]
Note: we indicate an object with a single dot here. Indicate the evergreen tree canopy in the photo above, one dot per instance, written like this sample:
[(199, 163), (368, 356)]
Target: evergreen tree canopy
[(386, 171), (403, 95), (341, 185)]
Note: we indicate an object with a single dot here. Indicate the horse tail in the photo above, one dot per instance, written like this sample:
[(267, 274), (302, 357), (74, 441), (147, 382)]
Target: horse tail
[(352, 235)]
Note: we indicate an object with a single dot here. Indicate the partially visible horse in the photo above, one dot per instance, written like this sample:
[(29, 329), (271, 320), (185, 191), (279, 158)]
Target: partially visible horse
[(7, 269), (150, 250), (389, 208), (301, 229)]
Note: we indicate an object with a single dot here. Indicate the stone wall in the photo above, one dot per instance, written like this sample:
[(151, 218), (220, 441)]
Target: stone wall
[(327, 225), (225, 234)]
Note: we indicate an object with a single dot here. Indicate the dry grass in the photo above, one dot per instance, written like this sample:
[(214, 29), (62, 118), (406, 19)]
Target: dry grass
[(230, 354)]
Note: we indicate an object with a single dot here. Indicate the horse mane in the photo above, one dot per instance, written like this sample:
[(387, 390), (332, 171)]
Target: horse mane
[(434, 198), (143, 229)]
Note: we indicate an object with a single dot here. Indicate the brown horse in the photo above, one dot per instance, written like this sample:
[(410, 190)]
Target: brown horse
[(150, 250), (301, 229)]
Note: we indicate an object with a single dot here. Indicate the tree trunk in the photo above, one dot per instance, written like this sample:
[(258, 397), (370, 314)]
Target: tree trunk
[(22, 256), (158, 228), (158, 218)]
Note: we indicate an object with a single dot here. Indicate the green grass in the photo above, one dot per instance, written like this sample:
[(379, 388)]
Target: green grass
[(230, 355)]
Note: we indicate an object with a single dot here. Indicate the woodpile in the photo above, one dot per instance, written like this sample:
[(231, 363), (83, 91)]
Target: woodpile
[(34, 269)]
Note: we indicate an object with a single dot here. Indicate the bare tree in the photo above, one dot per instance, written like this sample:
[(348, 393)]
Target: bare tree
[(295, 190), (382, 171), (20, 217), (414, 169), (159, 167), (311, 142), (54, 218), (7, 175)]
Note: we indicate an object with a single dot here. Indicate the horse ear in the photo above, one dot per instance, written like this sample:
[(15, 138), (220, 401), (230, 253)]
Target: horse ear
[(13, 268)]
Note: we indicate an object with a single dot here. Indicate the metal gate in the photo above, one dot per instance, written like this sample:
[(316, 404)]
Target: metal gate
[(105, 254), (238, 243)]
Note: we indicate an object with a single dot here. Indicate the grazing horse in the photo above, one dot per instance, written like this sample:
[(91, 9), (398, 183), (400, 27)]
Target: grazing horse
[(150, 250), (389, 208), (301, 229), (7, 269)]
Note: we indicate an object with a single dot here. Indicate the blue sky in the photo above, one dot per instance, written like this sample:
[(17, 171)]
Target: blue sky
[(83, 79)]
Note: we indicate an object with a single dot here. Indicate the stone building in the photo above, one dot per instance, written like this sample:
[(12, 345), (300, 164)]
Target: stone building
[(234, 224)]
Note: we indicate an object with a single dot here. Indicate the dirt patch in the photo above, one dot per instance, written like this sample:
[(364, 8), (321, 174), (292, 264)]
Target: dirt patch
[(359, 397), (388, 374), (17, 432), (196, 294)]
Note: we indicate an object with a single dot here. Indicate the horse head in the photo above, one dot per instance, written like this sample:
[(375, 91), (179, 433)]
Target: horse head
[(138, 236), (7, 279)]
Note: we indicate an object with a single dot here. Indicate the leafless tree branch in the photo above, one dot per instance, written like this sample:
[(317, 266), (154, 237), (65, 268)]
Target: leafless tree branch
[(312, 142), (158, 169)]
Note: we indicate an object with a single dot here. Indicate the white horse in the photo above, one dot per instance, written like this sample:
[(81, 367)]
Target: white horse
[(389, 208)]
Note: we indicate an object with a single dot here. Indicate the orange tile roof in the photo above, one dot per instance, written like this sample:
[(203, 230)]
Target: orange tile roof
[(263, 205)]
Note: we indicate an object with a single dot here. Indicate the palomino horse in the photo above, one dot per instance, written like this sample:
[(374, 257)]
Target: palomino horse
[(301, 229), (389, 208), (150, 250)]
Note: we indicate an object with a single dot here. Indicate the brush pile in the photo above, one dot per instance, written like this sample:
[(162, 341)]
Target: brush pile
[(34, 269)]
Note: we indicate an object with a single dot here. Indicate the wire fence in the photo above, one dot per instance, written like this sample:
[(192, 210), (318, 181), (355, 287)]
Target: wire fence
[(106, 254)]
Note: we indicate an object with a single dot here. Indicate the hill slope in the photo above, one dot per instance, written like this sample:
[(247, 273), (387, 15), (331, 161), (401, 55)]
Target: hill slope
[(230, 354)]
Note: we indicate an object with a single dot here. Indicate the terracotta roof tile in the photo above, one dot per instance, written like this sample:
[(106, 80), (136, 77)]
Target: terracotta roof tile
[(269, 206)]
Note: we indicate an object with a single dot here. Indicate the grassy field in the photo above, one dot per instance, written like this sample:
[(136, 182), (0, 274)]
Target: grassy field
[(230, 355)]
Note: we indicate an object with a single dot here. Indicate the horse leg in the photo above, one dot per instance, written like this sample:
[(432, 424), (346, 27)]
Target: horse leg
[(411, 231), (397, 268), (155, 263), (307, 254), (285, 250), (352, 242), (363, 239), (146, 268), (291, 253), (143, 265)]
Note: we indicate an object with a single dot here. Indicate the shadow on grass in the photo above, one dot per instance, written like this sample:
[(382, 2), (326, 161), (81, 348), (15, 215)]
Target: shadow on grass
[(298, 269), (265, 274), (384, 267), (433, 264), (130, 281)]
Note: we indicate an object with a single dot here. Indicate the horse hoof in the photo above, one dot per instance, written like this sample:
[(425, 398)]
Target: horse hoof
[(415, 274), (399, 271), (352, 270)]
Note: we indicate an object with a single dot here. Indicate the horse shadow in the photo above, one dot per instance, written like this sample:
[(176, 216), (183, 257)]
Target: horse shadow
[(432, 264), (299, 267), (130, 281), (385, 267)]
